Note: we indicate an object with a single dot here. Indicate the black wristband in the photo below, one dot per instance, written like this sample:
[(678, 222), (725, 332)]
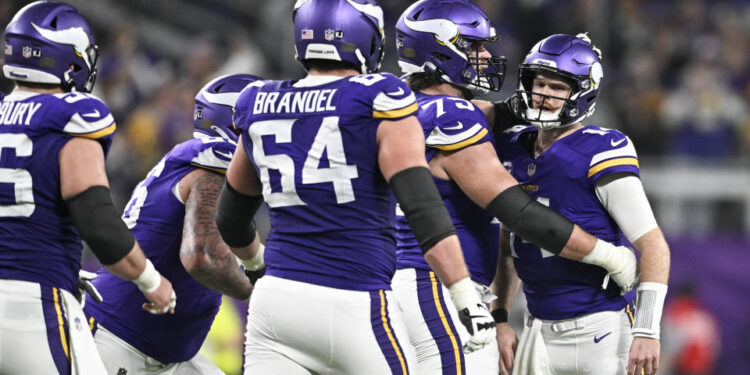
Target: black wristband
[(500, 315)]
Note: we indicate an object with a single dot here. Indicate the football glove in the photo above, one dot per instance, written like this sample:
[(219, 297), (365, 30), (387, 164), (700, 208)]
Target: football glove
[(85, 286), (253, 276), (473, 314)]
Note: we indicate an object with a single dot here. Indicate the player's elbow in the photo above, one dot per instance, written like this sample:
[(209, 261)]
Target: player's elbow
[(197, 261)]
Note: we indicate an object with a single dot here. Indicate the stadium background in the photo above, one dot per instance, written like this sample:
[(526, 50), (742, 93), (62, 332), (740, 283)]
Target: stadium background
[(677, 81)]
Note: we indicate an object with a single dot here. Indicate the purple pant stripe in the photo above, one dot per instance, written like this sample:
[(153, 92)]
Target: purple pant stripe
[(385, 335), (447, 340), (54, 340)]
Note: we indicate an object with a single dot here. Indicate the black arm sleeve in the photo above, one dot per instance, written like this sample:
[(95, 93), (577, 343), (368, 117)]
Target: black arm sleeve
[(531, 220), (99, 224), (421, 203), (234, 216)]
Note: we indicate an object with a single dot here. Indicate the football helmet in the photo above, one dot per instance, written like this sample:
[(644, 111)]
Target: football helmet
[(340, 30), (441, 36), (576, 61), (214, 106), (51, 43)]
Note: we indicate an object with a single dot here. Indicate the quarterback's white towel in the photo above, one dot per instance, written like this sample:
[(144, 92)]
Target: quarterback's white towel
[(84, 358), (531, 355)]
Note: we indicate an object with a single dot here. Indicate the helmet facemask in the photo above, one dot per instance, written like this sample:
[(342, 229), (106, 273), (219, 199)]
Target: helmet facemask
[(490, 71), (522, 102)]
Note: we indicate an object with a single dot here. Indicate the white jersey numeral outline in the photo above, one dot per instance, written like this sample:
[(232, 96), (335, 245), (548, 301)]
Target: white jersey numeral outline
[(328, 140), (20, 178), (134, 205)]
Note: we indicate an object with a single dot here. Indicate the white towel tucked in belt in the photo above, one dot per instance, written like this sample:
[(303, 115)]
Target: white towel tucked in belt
[(531, 355), (84, 357)]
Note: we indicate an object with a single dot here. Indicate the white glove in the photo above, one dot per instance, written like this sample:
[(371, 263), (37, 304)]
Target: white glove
[(619, 261), (473, 315), (85, 286)]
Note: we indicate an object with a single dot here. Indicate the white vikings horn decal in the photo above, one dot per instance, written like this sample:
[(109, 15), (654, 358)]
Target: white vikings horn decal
[(74, 36)]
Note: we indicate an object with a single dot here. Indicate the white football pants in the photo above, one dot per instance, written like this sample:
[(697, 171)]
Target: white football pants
[(296, 328), (43, 331), (595, 344), (122, 359), (434, 328)]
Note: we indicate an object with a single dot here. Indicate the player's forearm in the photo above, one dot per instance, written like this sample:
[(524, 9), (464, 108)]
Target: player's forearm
[(447, 263), (506, 283), (131, 266), (216, 268), (655, 256), (579, 244)]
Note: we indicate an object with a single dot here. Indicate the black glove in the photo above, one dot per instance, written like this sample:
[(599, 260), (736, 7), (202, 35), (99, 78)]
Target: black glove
[(253, 276), (85, 285), (505, 117)]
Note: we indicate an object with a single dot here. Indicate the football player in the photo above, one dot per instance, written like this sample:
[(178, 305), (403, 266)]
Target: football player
[(171, 215), (442, 45), (325, 152), (590, 175), (54, 192)]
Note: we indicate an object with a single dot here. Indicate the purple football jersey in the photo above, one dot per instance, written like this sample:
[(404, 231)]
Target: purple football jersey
[(452, 123), (564, 178), (316, 152), (155, 216), (38, 242)]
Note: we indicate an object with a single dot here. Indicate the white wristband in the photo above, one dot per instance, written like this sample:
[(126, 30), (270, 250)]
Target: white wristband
[(464, 294), (649, 306), (150, 278), (256, 262)]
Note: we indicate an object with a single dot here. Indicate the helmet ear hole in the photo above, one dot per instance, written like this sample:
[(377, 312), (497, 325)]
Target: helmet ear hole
[(440, 56)]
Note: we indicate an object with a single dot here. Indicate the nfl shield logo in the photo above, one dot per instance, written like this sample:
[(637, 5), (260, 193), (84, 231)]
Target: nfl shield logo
[(329, 34), (531, 169), (26, 52)]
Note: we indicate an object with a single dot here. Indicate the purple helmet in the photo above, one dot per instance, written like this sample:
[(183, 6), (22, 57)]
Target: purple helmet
[(340, 30), (576, 61), (51, 43), (214, 106), (440, 35)]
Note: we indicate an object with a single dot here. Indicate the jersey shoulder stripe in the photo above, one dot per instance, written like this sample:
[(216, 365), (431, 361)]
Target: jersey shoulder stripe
[(440, 140), (612, 151), (90, 117), (214, 156)]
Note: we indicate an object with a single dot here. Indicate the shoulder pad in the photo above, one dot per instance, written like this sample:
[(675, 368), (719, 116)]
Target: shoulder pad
[(213, 154), (89, 116), (392, 98), (611, 149), (457, 123)]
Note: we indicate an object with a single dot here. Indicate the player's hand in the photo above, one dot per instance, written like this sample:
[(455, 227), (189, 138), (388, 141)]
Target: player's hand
[(473, 315), (627, 276), (644, 356), (85, 286), (161, 300), (507, 342), (478, 321)]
